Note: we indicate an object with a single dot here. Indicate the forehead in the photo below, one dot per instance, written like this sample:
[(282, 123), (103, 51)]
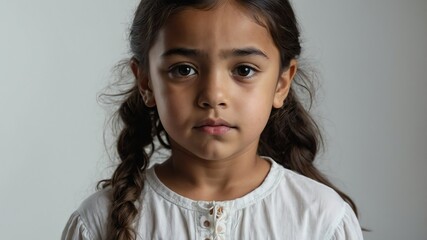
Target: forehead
[(227, 25)]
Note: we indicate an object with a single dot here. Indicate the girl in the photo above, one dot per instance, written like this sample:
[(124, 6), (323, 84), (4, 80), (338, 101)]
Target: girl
[(214, 83)]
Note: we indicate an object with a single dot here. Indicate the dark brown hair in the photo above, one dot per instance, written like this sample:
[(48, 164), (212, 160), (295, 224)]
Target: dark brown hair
[(291, 136)]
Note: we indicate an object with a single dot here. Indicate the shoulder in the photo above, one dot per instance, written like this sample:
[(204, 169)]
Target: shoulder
[(301, 190), (297, 187), (96, 204), (347, 227), (93, 213), (308, 191), (318, 206)]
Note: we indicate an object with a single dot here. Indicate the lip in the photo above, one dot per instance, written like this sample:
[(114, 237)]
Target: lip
[(214, 126), (213, 123)]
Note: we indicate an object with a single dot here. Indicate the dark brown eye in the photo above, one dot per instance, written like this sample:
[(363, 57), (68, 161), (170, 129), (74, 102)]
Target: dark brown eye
[(244, 71), (182, 71)]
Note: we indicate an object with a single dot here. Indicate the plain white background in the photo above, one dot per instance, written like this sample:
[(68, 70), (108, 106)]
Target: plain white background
[(56, 56)]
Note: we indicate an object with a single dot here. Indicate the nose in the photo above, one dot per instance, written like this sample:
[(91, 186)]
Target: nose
[(212, 91)]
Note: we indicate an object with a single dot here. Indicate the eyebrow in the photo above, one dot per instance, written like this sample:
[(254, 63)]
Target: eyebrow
[(241, 52), (235, 52), (187, 52)]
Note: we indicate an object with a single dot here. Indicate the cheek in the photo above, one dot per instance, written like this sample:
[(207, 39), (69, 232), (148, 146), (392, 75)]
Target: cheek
[(167, 108), (258, 106), (172, 108)]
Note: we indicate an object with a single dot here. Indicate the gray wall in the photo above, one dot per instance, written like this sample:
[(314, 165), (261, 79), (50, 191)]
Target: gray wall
[(55, 56)]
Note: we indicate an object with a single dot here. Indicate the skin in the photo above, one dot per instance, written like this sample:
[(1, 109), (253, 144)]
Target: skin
[(215, 64)]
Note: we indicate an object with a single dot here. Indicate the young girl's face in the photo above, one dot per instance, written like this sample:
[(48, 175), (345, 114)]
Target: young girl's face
[(215, 77)]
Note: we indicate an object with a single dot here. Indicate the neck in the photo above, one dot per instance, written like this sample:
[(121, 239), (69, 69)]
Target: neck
[(218, 179)]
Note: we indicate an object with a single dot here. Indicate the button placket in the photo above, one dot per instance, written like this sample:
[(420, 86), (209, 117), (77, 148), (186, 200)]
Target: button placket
[(212, 221)]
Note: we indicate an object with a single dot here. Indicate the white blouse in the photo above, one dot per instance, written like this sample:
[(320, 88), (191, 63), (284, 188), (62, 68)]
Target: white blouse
[(286, 205)]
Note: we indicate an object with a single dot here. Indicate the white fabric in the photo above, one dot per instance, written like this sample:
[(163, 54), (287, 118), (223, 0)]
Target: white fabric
[(286, 205)]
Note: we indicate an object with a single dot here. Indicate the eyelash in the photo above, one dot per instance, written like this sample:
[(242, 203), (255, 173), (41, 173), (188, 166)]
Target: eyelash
[(248, 67), (174, 71)]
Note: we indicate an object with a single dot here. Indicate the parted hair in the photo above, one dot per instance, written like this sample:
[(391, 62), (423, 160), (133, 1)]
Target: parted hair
[(291, 137)]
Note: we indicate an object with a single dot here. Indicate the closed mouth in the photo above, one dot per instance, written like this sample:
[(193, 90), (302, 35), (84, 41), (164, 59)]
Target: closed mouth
[(212, 126), (210, 122)]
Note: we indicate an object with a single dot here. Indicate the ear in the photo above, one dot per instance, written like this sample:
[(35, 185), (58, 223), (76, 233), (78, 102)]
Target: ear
[(144, 83), (284, 84)]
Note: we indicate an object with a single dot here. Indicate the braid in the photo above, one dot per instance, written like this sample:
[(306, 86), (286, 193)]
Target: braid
[(127, 180), (292, 138)]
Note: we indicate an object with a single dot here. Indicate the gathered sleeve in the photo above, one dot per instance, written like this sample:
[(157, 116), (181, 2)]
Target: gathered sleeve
[(349, 227), (75, 229)]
